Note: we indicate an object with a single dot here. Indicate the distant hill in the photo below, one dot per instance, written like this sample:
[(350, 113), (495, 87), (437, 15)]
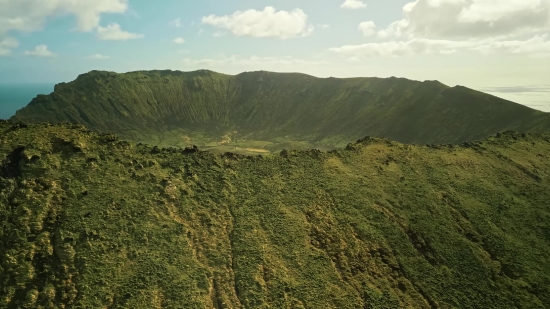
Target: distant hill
[(88, 221), (266, 112)]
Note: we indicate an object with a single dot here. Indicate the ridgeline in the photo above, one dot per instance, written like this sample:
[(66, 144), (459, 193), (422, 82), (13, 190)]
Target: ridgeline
[(89, 221), (265, 112)]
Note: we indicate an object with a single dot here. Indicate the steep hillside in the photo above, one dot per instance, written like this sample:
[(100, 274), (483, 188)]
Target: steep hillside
[(87, 221), (267, 111)]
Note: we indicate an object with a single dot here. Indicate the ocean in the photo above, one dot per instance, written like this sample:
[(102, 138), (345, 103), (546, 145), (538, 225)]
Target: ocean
[(17, 96), (539, 100)]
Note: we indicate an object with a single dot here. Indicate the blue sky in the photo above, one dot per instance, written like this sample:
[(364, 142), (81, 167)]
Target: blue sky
[(498, 46)]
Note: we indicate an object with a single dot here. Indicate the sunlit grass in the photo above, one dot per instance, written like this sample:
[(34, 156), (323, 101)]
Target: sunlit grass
[(88, 221)]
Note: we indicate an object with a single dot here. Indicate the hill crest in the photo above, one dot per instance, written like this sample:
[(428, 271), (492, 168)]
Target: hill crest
[(269, 111), (90, 221)]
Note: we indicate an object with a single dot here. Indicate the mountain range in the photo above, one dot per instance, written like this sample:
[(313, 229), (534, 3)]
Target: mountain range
[(265, 112)]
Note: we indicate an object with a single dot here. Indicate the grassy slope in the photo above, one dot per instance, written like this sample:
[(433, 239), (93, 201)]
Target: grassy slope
[(87, 221), (203, 107)]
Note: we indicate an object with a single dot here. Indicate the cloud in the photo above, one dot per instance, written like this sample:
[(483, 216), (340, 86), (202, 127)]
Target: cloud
[(98, 56), (262, 24), (176, 23), (353, 4), (179, 40), (40, 51), (114, 33), (31, 15), (492, 11), (396, 29), (248, 61), (200, 32), (392, 49), (439, 19), (451, 26), (6, 44), (9, 42), (324, 26), (538, 46), (218, 34), (367, 27)]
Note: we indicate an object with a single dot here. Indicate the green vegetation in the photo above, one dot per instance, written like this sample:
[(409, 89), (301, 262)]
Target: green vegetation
[(220, 113), (89, 221)]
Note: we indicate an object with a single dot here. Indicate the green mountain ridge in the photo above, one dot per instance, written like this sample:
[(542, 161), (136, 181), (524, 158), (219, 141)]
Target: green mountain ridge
[(89, 221), (271, 111)]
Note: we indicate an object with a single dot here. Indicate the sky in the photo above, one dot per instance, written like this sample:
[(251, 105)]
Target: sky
[(497, 46)]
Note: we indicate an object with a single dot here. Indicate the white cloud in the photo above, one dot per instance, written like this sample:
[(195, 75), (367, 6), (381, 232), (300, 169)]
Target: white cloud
[(40, 51), (491, 10), (260, 62), (353, 4), (445, 19), (176, 23), (31, 15), (538, 46), (394, 29), (218, 34), (385, 49), (6, 44), (113, 32), (98, 56), (179, 40), (367, 27), (9, 42), (324, 26), (437, 3), (261, 24)]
